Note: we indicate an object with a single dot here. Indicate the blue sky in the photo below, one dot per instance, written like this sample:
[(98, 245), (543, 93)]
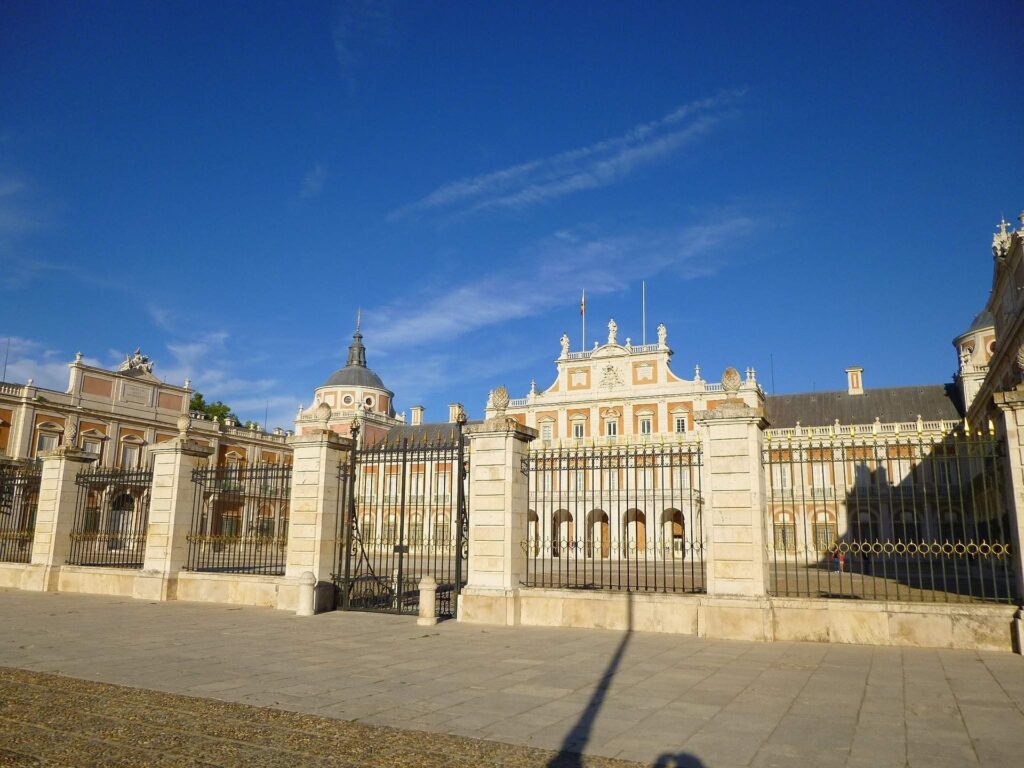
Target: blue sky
[(223, 184)]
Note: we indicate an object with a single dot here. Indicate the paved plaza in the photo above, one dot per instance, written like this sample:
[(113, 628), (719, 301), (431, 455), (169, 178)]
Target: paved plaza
[(466, 695)]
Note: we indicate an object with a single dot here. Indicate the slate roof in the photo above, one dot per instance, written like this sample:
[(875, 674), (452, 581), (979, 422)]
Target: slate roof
[(442, 433), (355, 377), (814, 409)]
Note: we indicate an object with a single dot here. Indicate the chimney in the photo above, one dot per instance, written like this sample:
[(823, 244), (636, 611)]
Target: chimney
[(855, 380), (453, 412), (417, 415)]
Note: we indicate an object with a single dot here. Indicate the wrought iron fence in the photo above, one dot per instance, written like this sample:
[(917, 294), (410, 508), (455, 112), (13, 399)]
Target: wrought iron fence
[(111, 513), (917, 517), (240, 519), (19, 500), (404, 517), (618, 517)]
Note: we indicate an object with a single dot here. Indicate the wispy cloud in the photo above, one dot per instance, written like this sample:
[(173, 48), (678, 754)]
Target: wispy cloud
[(360, 27), (29, 359), (588, 167), (313, 182), (548, 271)]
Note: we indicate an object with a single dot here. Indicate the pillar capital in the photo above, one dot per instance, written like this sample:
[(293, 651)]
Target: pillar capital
[(503, 425), (70, 453), (184, 445)]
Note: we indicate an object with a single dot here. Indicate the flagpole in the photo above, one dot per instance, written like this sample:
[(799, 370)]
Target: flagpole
[(643, 311), (583, 314)]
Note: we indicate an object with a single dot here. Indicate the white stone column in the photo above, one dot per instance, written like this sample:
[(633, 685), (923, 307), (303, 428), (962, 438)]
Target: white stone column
[(172, 504), (314, 526), (1012, 405), (498, 497), (55, 517), (734, 490)]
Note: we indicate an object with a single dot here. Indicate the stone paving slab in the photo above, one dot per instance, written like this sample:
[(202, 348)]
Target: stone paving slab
[(654, 699)]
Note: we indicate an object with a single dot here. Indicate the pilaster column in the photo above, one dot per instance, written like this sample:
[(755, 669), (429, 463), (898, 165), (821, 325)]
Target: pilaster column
[(734, 489), (1012, 406), (172, 505), (314, 527), (498, 496), (55, 516)]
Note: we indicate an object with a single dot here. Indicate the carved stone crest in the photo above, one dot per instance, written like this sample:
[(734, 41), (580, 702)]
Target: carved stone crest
[(610, 376), (731, 380)]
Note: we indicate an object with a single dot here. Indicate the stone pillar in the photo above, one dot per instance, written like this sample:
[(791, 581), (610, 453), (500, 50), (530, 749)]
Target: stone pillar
[(1012, 405), (734, 492), (314, 527), (172, 504), (498, 497), (55, 517)]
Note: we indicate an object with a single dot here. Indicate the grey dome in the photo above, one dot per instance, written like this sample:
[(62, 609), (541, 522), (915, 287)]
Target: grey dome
[(354, 377), (983, 320), (355, 373)]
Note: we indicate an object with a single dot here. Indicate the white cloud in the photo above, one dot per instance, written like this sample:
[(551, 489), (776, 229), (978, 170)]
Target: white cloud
[(589, 167), (313, 182), (552, 273), (30, 359)]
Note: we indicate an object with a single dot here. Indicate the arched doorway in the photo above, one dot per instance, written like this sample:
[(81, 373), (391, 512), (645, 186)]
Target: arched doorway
[(122, 512), (597, 534), (532, 532), (561, 532), (674, 532), (636, 530)]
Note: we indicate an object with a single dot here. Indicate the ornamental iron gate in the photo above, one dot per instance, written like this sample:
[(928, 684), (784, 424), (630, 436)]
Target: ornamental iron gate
[(403, 517)]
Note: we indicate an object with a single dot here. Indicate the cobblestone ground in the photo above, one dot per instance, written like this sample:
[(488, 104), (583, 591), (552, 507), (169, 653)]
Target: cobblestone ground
[(46, 720)]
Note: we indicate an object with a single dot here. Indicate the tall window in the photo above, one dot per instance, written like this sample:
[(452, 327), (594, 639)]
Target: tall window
[(441, 487), (129, 456), (680, 424), (417, 485), (95, 447), (780, 476), (645, 425), (611, 427), (47, 441), (577, 429), (392, 490), (545, 431), (821, 475)]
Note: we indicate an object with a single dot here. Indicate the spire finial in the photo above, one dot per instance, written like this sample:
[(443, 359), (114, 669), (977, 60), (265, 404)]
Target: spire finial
[(359, 318)]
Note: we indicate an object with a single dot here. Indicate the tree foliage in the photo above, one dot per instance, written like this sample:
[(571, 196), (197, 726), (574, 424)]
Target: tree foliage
[(216, 410)]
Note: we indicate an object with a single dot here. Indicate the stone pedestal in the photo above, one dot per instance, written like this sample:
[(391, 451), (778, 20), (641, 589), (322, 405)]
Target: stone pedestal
[(171, 507), (498, 497), (1012, 406), (314, 527), (734, 499), (55, 517)]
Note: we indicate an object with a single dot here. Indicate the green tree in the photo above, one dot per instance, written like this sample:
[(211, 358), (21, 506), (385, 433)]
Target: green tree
[(216, 410)]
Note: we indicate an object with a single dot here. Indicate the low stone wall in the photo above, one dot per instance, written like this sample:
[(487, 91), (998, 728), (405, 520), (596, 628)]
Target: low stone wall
[(233, 588), (230, 588), (97, 581), (926, 625)]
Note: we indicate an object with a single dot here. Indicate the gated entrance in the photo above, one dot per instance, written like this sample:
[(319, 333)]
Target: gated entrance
[(404, 517)]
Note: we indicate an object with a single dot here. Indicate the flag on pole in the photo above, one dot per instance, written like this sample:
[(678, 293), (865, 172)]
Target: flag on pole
[(583, 302)]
